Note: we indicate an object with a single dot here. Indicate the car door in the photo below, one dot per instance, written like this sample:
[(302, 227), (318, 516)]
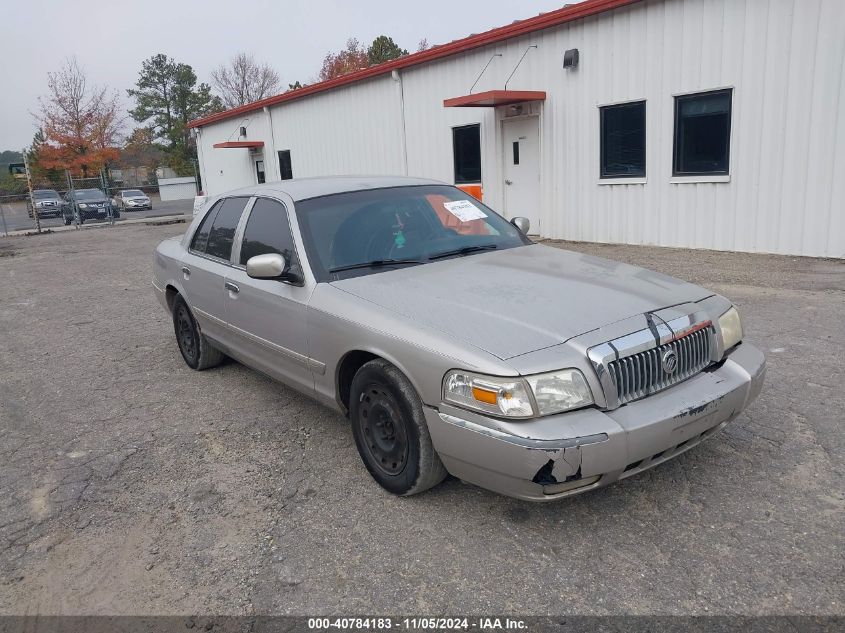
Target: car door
[(266, 317), (206, 263)]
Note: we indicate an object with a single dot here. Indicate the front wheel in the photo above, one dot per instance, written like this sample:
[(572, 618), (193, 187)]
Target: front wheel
[(391, 432), (198, 353)]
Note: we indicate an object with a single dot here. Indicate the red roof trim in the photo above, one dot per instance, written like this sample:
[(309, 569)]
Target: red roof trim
[(543, 21), (493, 98), (239, 144)]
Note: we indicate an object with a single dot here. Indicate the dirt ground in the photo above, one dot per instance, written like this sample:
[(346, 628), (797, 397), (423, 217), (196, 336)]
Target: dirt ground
[(132, 485)]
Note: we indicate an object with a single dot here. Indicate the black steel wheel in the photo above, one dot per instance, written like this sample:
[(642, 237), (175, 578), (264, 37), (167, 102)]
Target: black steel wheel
[(198, 353), (385, 434), (390, 430)]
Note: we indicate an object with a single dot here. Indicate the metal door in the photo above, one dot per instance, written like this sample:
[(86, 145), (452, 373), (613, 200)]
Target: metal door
[(522, 169)]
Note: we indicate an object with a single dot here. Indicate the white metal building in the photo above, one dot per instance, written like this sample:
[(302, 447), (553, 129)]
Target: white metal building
[(715, 124)]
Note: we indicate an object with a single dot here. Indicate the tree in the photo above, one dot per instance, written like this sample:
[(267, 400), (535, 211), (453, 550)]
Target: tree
[(141, 149), (350, 59), (167, 97), (383, 49), (243, 80), (80, 124), (423, 45)]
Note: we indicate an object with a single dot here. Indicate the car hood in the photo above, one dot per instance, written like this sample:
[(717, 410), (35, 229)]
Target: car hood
[(519, 300)]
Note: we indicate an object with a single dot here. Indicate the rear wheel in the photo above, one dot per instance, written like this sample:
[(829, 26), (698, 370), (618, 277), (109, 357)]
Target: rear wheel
[(390, 430), (198, 353)]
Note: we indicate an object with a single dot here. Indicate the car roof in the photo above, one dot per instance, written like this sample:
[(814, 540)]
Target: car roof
[(304, 188)]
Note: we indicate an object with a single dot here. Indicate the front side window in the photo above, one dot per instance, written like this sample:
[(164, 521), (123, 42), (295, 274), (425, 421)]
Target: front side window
[(466, 148), (702, 133), (386, 227), (222, 232), (268, 231), (623, 140)]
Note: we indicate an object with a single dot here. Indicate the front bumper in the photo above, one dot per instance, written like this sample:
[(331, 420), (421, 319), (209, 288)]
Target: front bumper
[(594, 448)]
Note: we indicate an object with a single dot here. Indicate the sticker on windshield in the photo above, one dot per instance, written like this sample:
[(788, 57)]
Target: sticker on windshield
[(464, 210)]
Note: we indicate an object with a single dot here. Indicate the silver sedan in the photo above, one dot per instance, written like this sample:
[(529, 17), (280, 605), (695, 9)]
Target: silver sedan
[(453, 342)]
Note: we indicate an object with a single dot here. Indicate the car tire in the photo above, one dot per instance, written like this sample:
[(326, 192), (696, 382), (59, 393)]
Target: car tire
[(197, 352), (391, 432), (68, 221)]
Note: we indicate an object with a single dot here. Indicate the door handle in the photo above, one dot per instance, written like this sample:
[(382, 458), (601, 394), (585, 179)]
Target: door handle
[(186, 271), (232, 287), (509, 182)]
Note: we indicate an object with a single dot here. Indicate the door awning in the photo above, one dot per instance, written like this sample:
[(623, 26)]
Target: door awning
[(247, 144), (493, 98)]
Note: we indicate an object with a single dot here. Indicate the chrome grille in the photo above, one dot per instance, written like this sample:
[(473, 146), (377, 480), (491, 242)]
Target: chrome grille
[(639, 375)]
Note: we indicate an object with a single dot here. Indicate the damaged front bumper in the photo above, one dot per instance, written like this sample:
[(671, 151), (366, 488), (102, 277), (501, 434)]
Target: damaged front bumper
[(557, 456)]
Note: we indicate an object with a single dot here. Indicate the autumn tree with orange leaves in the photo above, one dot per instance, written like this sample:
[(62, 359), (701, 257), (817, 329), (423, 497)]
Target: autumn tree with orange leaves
[(350, 59), (81, 123)]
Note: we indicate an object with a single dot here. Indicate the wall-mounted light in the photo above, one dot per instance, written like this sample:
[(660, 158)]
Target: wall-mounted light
[(570, 58), (243, 132)]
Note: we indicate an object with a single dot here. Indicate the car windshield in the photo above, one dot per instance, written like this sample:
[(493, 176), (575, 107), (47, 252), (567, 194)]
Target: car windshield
[(366, 232), (133, 192), (89, 194), (44, 194)]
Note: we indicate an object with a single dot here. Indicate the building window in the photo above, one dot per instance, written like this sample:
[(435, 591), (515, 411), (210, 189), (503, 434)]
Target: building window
[(466, 148), (259, 172), (702, 133), (285, 167), (623, 140)]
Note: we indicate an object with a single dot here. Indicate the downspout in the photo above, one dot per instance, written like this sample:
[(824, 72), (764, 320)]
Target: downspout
[(275, 159), (201, 161), (398, 78)]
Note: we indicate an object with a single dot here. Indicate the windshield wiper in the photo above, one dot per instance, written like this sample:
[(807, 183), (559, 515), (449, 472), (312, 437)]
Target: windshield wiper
[(465, 250), (376, 263)]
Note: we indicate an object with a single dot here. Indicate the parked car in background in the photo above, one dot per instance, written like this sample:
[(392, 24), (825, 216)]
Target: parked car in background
[(452, 341), (87, 204), (132, 200), (48, 203)]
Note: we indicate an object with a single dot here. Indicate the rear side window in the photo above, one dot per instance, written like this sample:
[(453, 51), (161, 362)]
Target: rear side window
[(222, 232), (201, 236), (267, 231)]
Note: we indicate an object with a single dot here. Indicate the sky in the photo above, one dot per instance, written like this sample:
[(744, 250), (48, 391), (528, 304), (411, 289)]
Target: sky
[(110, 39)]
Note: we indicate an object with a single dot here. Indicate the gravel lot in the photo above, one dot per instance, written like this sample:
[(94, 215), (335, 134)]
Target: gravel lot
[(132, 485)]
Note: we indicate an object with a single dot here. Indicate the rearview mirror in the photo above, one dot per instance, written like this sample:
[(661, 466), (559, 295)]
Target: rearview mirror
[(523, 224), (268, 266)]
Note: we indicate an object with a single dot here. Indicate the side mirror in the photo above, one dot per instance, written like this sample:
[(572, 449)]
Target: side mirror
[(523, 224), (268, 266)]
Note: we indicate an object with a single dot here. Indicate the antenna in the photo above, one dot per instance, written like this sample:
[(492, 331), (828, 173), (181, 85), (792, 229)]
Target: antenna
[(518, 63), (482, 70)]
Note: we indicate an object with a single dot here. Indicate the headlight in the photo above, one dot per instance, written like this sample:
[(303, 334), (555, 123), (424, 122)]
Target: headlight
[(499, 396), (731, 327), (560, 391), (553, 392), (82, 205)]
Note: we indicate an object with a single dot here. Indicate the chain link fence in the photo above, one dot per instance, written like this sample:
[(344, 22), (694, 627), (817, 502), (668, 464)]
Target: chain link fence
[(61, 199)]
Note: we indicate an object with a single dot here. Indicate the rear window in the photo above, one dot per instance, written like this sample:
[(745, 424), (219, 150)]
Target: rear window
[(222, 233)]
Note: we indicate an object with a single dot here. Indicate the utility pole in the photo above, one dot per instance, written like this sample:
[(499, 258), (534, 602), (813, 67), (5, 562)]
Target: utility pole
[(29, 186)]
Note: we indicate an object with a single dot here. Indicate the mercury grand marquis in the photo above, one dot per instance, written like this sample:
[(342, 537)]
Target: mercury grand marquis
[(452, 341)]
